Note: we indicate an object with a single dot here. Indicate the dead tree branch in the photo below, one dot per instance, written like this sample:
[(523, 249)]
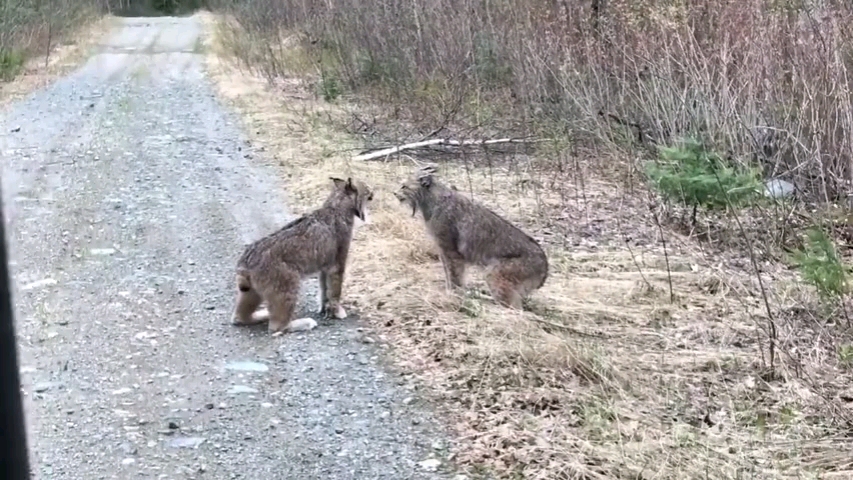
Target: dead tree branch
[(437, 141)]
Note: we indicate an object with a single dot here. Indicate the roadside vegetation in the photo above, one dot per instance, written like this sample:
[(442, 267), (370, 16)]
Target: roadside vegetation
[(31, 30), (687, 166)]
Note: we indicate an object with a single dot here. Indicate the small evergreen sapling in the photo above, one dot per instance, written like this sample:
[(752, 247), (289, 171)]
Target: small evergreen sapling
[(821, 267), (691, 174)]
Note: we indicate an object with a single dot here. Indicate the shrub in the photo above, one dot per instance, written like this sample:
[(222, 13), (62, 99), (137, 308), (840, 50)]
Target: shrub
[(698, 178), (330, 87), (821, 267), (11, 62)]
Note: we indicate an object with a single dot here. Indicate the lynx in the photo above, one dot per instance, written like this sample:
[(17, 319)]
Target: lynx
[(271, 269), (468, 233)]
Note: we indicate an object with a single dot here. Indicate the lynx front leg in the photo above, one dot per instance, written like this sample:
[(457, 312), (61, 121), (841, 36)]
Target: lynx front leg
[(323, 297), (454, 270), (334, 287), (444, 264)]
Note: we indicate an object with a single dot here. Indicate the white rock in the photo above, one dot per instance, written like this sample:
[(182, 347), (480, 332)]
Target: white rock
[(241, 389), (430, 464), (778, 188), (39, 283), (247, 367)]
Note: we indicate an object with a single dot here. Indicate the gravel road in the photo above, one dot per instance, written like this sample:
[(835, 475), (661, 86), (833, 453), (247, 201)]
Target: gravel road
[(129, 192)]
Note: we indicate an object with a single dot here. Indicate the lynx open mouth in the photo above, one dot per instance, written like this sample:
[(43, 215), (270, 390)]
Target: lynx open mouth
[(403, 198)]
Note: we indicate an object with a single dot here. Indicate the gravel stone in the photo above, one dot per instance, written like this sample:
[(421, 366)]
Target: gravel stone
[(129, 193)]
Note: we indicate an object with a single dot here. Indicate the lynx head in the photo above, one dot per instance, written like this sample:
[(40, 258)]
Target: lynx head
[(354, 195), (416, 188)]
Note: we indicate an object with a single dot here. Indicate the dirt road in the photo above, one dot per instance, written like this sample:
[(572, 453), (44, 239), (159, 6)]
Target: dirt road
[(129, 193)]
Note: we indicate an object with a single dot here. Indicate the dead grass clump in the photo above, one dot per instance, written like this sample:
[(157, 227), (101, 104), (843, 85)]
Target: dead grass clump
[(628, 363)]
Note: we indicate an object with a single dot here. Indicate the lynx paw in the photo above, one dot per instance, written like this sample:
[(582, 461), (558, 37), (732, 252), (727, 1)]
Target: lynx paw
[(302, 325), (257, 317), (340, 313)]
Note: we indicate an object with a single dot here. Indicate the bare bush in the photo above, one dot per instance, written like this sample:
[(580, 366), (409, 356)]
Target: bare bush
[(31, 27), (764, 80)]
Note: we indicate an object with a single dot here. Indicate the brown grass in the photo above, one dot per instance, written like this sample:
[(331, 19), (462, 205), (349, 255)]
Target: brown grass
[(603, 376)]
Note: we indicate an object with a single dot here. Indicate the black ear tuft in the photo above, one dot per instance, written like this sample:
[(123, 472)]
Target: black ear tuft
[(350, 188)]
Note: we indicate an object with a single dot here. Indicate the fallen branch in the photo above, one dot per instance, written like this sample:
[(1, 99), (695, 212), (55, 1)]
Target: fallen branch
[(436, 141)]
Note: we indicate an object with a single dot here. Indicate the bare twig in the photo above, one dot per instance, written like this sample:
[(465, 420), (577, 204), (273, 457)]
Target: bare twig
[(47, 48), (665, 254), (771, 348), (570, 329), (637, 264)]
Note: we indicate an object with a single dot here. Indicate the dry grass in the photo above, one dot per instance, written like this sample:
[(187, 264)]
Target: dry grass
[(604, 376), (75, 47)]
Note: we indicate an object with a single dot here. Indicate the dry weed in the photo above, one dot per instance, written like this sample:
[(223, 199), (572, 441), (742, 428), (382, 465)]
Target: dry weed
[(626, 364)]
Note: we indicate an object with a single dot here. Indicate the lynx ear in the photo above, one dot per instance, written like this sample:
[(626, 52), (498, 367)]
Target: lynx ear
[(339, 183), (427, 169)]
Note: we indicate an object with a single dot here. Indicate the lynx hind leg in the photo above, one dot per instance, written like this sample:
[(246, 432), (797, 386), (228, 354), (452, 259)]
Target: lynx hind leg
[(248, 300), (281, 308), (334, 287), (504, 284), (302, 325), (279, 286), (261, 315)]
